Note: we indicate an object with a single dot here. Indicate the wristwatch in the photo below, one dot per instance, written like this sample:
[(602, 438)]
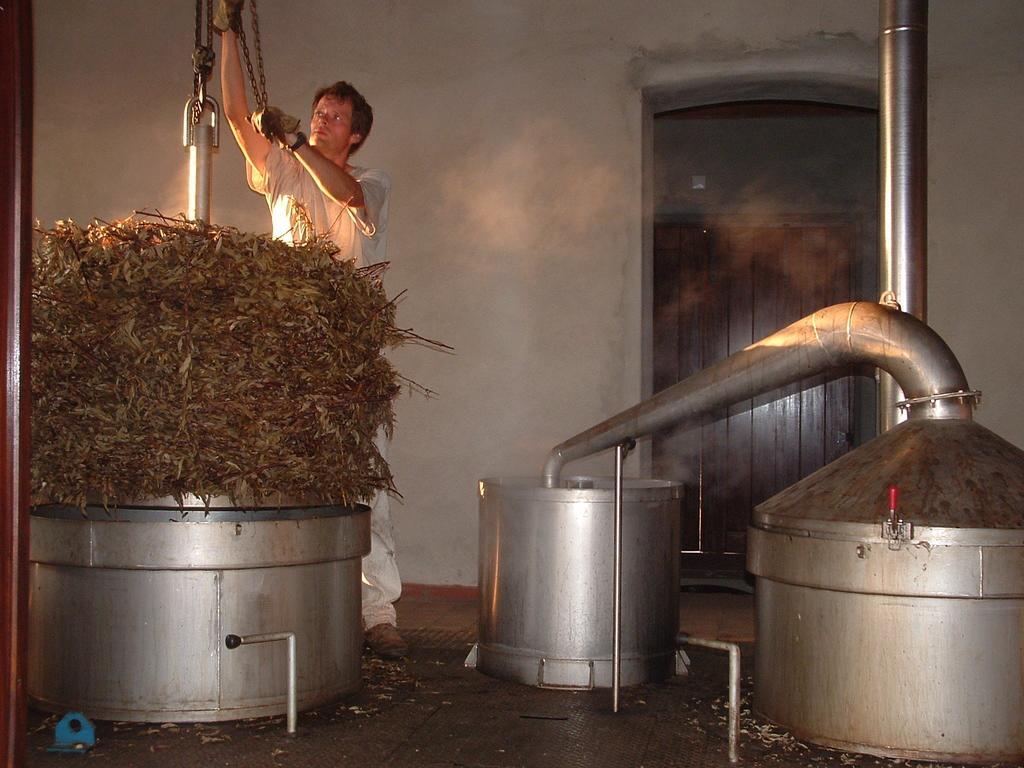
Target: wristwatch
[(300, 140)]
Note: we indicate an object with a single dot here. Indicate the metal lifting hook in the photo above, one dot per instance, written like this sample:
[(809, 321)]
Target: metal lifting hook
[(201, 120)]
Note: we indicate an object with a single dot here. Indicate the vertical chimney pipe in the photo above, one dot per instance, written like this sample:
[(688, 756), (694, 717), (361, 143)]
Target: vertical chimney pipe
[(903, 168)]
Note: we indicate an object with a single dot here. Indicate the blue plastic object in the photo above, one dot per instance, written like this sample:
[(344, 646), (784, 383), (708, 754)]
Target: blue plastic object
[(74, 733)]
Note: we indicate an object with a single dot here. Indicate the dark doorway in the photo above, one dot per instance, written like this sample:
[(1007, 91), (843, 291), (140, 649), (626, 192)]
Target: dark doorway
[(765, 212)]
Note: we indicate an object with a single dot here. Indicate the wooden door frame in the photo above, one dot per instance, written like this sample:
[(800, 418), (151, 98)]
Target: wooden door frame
[(828, 83), (15, 264)]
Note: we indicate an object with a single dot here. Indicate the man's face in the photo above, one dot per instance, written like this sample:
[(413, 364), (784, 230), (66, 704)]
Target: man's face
[(330, 128)]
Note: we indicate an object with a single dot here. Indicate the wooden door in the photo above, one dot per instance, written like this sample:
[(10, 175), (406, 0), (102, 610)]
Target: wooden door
[(719, 286)]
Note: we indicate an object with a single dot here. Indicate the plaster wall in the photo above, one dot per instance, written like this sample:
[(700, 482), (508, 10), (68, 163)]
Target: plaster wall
[(517, 135)]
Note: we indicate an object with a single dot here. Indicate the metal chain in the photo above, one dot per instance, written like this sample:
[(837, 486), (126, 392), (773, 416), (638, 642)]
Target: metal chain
[(197, 77), (259, 53), (248, 66), (202, 59), (209, 24), (259, 89), (199, 22)]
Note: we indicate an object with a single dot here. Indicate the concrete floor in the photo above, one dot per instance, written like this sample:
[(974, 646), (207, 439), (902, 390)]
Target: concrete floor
[(430, 711)]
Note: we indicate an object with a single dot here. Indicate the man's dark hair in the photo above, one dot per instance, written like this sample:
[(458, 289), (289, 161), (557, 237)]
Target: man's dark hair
[(362, 112)]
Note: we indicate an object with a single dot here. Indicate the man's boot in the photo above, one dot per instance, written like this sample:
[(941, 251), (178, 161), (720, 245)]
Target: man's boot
[(385, 641)]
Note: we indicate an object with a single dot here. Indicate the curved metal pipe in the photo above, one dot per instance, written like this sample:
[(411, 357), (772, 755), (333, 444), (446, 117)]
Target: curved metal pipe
[(829, 339)]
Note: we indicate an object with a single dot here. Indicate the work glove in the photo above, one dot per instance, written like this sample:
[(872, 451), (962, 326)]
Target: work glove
[(228, 15), (274, 124)]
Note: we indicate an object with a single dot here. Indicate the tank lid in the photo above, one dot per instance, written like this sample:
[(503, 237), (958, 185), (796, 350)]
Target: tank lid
[(949, 473), (580, 488), (192, 501)]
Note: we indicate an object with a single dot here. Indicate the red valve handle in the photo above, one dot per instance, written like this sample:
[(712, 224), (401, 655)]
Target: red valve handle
[(894, 497)]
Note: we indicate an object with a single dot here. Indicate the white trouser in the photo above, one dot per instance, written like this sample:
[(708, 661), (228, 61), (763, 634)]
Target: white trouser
[(381, 583)]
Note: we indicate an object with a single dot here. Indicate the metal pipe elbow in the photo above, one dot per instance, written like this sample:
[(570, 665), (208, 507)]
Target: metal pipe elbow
[(902, 345), (825, 341), (552, 468)]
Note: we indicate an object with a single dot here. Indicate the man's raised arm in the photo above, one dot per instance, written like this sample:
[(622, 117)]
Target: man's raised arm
[(236, 108)]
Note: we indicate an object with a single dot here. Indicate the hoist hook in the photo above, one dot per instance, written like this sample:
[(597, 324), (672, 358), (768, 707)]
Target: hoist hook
[(201, 120)]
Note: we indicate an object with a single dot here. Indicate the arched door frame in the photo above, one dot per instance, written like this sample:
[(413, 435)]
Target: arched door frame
[(831, 88)]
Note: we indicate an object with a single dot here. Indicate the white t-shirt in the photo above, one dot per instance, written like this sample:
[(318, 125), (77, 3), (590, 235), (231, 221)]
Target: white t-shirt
[(297, 206)]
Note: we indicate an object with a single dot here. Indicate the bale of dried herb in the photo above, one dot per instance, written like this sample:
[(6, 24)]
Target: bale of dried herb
[(173, 358)]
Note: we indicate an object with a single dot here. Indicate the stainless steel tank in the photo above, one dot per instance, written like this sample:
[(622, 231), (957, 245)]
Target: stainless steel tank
[(129, 609), (546, 581), (903, 639)]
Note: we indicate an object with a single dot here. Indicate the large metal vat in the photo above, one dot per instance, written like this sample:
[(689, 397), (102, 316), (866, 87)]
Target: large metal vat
[(129, 609), (907, 645), (546, 581)]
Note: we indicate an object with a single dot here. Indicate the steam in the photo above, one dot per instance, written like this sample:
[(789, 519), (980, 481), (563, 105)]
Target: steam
[(543, 183), (777, 212)]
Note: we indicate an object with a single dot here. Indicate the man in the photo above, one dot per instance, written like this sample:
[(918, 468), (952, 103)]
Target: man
[(312, 189)]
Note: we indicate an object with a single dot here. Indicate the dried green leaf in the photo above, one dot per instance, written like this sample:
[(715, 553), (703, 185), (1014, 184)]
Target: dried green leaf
[(170, 357)]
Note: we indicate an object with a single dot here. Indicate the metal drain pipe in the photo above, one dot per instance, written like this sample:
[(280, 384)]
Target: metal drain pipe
[(733, 650), (620, 455), (826, 341), (903, 169), (234, 641)]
